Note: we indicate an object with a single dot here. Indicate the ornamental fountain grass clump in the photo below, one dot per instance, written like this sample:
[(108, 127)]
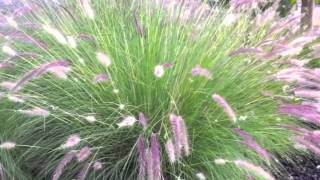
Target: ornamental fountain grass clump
[(145, 90)]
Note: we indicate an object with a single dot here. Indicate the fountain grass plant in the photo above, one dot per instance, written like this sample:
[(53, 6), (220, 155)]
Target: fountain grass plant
[(118, 76)]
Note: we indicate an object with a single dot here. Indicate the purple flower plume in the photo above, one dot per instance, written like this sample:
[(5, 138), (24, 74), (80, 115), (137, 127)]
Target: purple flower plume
[(251, 143), (306, 112), (142, 158), (170, 151), (63, 163), (156, 157), (309, 145), (199, 71), (180, 133), (21, 36), (22, 11), (143, 120), (225, 105), (100, 78), (44, 68), (84, 154), (308, 94), (257, 170)]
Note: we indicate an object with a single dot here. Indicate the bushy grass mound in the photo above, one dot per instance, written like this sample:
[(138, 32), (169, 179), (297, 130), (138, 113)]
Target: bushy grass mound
[(100, 90)]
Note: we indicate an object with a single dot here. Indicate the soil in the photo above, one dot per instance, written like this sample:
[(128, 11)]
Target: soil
[(303, 168)]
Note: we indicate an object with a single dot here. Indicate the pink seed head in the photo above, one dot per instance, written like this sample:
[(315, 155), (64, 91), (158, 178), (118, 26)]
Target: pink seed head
[(84, 154), (72, 141)]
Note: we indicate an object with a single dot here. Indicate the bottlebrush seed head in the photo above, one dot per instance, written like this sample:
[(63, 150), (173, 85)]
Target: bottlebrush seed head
[(84, 153), (72, 141), (225, 105), (7, 145)]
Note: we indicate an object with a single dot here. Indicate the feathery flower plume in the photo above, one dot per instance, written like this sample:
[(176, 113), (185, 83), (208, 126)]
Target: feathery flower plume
[(72, 42), (245, 51), (36, 111), (60, 71), (84, 172), (100, 78), (16, 98), (67, 158), (149, 165), (12, 22), (21, 36), (71, 142), (8, 50), (5, 65), (312, 136), (199, 71), (306, 112), (97, 166), (308, 93), (84, 153), (7, 145), (143, 120), (251, 143), (156, 157), (104, 59), (257, 170), (179, 130), (127, 122), (59, 68), (7, 84), (56, 34), (170, 151), (22, 11), (176, 130), (87, 8), (159, 71), (201, 176), (91, 119), (309, 145), (224, 104), (142, 158), (184, 137), (220, 161)]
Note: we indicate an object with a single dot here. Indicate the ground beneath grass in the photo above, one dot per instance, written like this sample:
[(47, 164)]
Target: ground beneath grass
[(303, 168)]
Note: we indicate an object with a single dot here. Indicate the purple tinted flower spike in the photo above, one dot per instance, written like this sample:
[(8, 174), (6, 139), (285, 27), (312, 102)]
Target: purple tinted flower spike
[(254, 169), (142, 158), (176, 130), (100, 78), (180, 133), (63, 163), (225, 105), (22, 11), (306, 112), (156, 157), (251, 143), (143, 120), (60, 68), (199, 71)]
